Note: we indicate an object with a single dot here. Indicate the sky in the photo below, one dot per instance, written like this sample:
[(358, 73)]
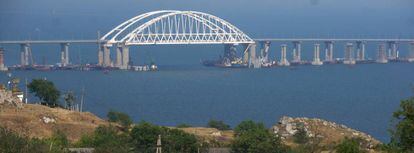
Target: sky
[(52, 19)]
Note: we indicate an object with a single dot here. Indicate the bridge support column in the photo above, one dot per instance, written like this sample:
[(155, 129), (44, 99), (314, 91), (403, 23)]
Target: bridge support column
[(296, 52), (360, 51), (264, 52), (246, 53), (316, 54), (100, 55), (252, 56), (24, 54), (349, 54), (64, 54), (118, 62), (283, 59), (107, 55), (382, 55), (329, 46), (125, 57), (392, 50)]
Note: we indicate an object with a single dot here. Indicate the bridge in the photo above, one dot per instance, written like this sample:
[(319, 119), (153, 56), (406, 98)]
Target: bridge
[(191, 27)]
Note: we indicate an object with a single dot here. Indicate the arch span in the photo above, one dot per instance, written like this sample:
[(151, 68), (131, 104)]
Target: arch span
[(176, 27)]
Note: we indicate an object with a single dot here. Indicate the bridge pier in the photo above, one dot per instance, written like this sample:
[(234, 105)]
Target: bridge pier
[(360, 51), (100, 55), (296, 52), (411, 52), (264, 52), (316, 59), (329, 46), (349, 54), (382, 55), (392, 50), (24, 54), (64, 54), (107, 55), (283, 59), (122, 56)]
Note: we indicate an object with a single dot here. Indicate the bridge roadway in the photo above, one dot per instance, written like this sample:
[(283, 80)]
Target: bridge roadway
[(86, 41)]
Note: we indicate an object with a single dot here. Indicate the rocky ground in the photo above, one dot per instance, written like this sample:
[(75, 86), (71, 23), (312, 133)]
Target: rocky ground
[(326, 132), (41, 121)]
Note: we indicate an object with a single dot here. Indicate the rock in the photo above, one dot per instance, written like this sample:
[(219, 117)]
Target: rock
[(48, 120)]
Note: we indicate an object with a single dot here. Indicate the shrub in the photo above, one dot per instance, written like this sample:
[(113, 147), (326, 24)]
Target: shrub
[(220, 125), (253, 137), (120, 118), (349, 146)]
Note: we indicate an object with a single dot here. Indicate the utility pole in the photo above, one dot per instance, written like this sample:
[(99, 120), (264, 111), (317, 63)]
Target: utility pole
[(81, 102), (25, 94)]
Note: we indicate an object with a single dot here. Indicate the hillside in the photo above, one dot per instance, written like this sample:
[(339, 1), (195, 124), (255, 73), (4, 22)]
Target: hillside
[(41, 121)]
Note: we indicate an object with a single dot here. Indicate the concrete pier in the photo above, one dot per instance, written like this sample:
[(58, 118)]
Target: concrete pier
[(296, 52), (382, 55), (316, 54), (252, 57), (349, 54), (64, 54), (329, 46), (118, 61), (125, 57), (283, 59), (264, 52), (360, 51), (107, 56), (392, 50), (100, 55), (24, 54)]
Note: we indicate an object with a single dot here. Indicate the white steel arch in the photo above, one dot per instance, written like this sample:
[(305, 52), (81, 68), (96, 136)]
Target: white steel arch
[(176, 27)]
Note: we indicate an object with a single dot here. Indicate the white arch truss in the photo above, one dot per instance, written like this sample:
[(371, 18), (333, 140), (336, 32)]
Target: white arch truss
[(176, 27)]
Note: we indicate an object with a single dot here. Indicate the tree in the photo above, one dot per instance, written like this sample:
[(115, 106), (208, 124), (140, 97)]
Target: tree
[(119, 117), (402, 136), (58, 142), (46, 91), (144, 137), (251, 137), (220, 125), (106, 139), (69, 100), (349, 146)]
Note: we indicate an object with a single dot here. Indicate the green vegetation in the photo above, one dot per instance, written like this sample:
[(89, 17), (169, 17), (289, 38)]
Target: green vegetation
[(46, 91), (118, 117), (349, 146), (69, 99), (13, 143), (106, 139), (144, 137), (402, 135), (253, 137), (220, 125)]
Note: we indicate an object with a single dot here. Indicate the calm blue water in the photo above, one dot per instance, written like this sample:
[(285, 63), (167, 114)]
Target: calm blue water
[(362, 97)]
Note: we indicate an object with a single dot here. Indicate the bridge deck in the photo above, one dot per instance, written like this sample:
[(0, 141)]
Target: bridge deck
[(260, 39)]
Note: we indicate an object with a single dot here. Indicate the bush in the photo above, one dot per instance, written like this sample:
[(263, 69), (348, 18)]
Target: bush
[(144, 137), (10, 142), (106, 139), (253, 137), (349, 146), (220, 125), (120, 118)]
